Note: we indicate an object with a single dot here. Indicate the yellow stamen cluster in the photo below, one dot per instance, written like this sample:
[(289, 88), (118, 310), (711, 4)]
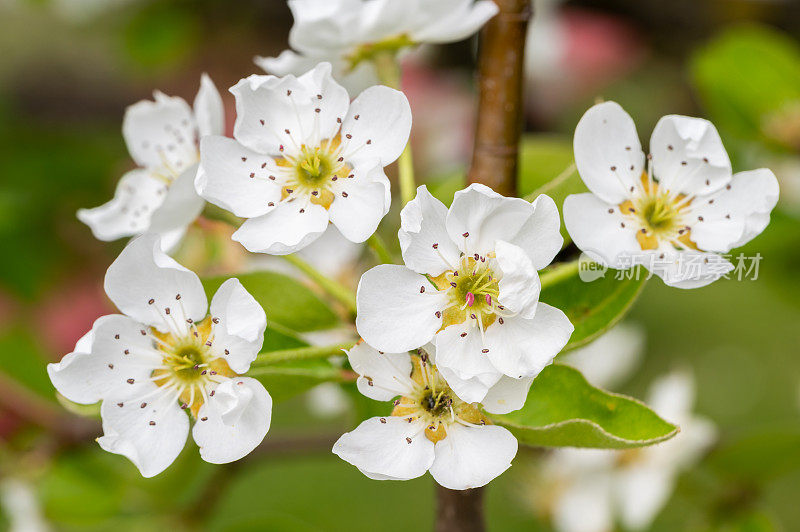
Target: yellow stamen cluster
[(313, 170), (473, 291), (189, 365)]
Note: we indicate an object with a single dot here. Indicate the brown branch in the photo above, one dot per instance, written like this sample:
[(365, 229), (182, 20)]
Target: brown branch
[(459, 511), (500, 76)]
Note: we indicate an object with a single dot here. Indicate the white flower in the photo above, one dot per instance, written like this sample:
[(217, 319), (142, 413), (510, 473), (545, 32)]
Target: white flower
[(610, 359), (159, 196), (589, 489), (430, 428), (21, 507), (347, 33), (676, 216), (304, 156), (469, 285), (167, 360)]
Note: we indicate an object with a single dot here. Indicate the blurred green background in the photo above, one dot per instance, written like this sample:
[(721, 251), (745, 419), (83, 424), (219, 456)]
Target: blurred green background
[(69, 68)]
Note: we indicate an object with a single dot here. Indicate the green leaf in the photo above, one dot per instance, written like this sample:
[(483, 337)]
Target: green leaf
[(563, 410), (288, 303), (288, 379), (23, 360), (593, 307), (745, 75)]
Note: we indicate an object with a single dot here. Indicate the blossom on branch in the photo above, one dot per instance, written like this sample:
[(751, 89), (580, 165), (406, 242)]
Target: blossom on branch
[(470, 286), (169, 361), (304, 156), (675, 215), (350, 33), (430, 427), (159, 196)]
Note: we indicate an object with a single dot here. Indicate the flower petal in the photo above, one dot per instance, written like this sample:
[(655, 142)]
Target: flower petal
[(685, 268), (289, 227), (424, 241), (388, 448), (397, 308), (143, 282), (355, 80), (688, 155), (152, 436), (585, 505), (599, 230), (208, 109), (737, 213), (540, 236), (460, 357), (378, 124), (331, 101), (521, 347), (233, 421), (608, 153), (453, 20), (241, 322), (181, 206), (641, 493), (507, 395), (113, 356), (161, 134), (361, 203), (485, 217), (612, 358), (137, 196), (382, 376), (519, 286), (236, 178), (471, 457)]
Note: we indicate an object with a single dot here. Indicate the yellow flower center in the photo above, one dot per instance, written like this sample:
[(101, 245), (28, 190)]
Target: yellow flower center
[(473, 291), (313, 171), (434, 402)]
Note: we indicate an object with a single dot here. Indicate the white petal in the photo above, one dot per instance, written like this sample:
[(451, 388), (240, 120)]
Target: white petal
[(239, 331), (608, 153), (281, 104), (685, 269), (152, 436), (688, 155), (422, 226), (143, 273), (382, 376), (287, 62), (387, 448), (332, 254), (105, 361), (161, 134), (397, 308), (361, 203), (329, 97), (485, 217), (381, 130), (598, 229), (233, 421), (320, 25), (225, 177), (181, 206), (672, 396), (737, 213), (137, 196), (208, 109), (612, 358), (283, 230), (521, 347), (540, 236), (519, 286), (460, 354), (470, 457), (585, 506), (507, 395), (454, 20), (641, 493), (355, 80)]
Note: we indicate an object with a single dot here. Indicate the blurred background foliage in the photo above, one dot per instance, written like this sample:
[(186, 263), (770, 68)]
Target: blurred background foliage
[(69, 68)]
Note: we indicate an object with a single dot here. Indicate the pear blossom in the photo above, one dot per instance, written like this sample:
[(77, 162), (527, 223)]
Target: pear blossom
[(609, 360), (159, 196), (348, 33), (675, 215), (304, 156), (470, 286), (169, 361), (588, 490), (430, 428)]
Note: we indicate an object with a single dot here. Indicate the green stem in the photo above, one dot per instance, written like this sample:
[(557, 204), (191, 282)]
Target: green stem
[(388, 68), (335, 289), (300, 353), (377, 245), (212, 212), (558, 272)]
